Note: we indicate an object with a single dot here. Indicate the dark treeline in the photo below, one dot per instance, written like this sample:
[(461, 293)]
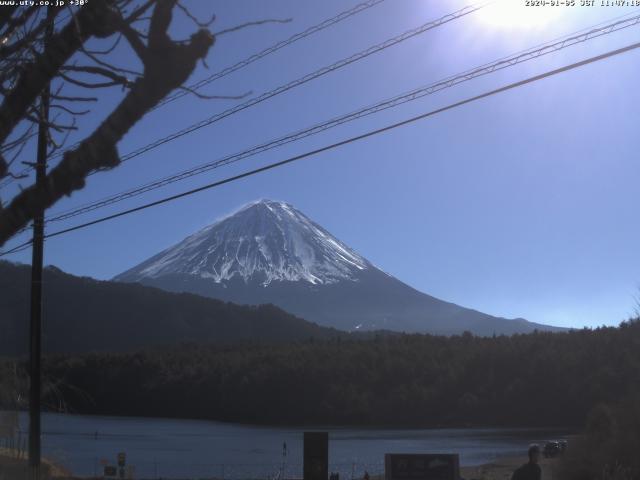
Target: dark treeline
[(82, 314), (539, 379)]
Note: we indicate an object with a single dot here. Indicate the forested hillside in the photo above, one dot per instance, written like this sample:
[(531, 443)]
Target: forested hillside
[(539, 379), (82, 314)]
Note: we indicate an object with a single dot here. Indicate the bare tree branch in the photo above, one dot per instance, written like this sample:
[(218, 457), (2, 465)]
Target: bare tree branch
[(82, 84), (4, 166), (54, 126), (194, 19), (58, 145), (16, 176), (6, 18), (108, 65), (29, 37), (139, 12), (115, 78), (68, 110), (15, 156), (133, 37), (96, 18), (215, 97), (74, 99), (167, 65), (28, 133), (108, 50)]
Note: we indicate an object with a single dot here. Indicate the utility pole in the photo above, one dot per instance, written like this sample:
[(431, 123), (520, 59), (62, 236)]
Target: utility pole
[(35, 331)]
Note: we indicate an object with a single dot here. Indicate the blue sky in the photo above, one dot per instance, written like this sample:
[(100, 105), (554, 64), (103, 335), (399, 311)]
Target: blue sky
[(520, 205)]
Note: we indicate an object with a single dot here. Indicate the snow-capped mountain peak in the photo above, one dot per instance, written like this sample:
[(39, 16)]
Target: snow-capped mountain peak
[(269, 252), (264, 241)]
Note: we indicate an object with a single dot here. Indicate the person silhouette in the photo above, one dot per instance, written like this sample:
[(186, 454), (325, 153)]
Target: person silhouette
[(530, 470)]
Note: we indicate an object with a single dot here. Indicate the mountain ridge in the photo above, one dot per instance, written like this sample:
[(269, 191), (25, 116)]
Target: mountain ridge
[(269, 252), (267, 244), (81, 314)]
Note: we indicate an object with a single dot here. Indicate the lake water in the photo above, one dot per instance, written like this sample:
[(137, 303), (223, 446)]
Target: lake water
[(167, 448)]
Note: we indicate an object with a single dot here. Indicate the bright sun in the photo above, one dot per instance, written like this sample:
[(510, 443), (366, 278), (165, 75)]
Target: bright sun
[(515, 14)]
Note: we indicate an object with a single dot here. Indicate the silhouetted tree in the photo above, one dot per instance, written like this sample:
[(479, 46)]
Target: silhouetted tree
[(31, 58), (539, 379)]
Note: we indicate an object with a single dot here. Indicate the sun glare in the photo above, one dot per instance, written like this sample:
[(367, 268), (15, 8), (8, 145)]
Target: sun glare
[(516, 14)]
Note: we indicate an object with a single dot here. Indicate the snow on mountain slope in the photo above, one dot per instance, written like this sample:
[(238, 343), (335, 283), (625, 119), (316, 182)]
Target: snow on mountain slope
[(265, 241), (269, 252)]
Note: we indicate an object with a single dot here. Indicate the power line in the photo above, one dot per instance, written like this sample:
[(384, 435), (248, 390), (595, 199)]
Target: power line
[(338, 144), (371, 133), (302, 80), (16, 249), (291, 85), (361, 7), (305, 79), (272, 49), (415, 94)]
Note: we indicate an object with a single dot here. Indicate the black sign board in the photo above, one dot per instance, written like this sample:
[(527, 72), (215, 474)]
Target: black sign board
[(421, 466), (122, 459), (110, 471), (316, 456)]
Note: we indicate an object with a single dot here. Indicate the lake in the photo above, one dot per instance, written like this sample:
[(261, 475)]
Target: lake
[(170, 448)]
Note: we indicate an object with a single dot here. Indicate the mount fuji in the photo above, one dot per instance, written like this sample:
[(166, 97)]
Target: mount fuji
[(269, 252)]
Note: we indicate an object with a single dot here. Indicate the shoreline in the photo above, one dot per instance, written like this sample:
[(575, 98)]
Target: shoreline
[(498, 469), (355, 426), (502, 468)]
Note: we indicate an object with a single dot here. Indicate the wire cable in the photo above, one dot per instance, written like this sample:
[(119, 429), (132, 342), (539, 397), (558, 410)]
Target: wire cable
[(289, 86), (300, 81), (272, 49), (415, 94), (363, 136), (16, 249), (303, 80), (242, 63)]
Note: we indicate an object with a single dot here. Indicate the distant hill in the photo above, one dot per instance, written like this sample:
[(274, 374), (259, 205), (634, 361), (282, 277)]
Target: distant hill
[(270, 252), (82, 314)]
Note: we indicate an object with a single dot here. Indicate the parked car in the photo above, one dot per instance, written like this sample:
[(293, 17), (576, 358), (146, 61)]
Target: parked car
[(552, 448)]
